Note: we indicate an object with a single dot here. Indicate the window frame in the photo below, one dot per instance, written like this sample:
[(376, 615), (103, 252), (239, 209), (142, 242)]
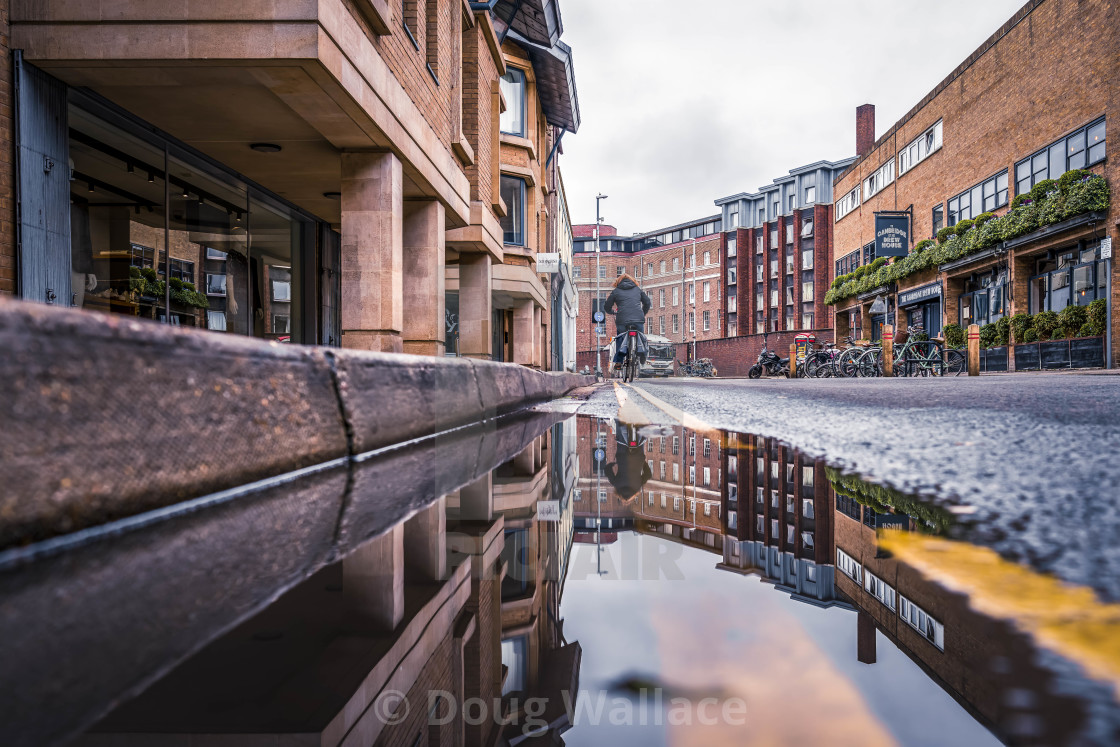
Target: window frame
[(919, 153), (953, 215), (520, 214), (847, 204), (524, 84), (1032, 176)]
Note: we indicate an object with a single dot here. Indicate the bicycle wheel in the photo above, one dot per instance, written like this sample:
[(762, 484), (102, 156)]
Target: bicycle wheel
[(956, 363), (870, 364), (846, 364)]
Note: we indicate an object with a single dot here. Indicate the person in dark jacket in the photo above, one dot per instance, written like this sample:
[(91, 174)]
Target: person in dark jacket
[(629, 471), (629, 304)]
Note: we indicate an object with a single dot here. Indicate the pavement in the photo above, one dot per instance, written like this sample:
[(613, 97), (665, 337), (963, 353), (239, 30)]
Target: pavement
[(1029, 463)]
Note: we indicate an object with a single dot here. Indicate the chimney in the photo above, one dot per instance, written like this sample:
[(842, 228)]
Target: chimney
[(865, 638), (865, 129)]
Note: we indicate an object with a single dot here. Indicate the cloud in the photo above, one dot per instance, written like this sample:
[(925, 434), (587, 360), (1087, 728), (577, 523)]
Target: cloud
[(686, 102)]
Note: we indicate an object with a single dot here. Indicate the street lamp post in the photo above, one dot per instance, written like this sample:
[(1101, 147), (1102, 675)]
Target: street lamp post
[(598, 293)]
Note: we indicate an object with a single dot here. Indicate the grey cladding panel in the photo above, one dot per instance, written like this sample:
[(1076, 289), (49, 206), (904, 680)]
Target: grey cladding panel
[(44, 186)]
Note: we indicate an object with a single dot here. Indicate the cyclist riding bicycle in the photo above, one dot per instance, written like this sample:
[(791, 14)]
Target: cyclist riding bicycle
[(629, 304)]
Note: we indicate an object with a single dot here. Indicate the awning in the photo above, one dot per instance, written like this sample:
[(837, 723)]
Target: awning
[(556, 81), (535, 20)]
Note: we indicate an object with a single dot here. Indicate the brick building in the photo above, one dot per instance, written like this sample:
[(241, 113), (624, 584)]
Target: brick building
[(779, 244), (304, 175), (1029, 105), (679, 267)]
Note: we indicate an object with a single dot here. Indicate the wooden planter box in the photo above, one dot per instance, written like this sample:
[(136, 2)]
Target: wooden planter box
[(1078, 352)]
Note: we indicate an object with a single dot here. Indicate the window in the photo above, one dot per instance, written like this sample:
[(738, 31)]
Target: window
[(512, 120), (919, 620), (847, 203), (731, 305), (281, 324), (676, 472), (869, 253), (848, 566), (774, 238), (649, 268), (807, 476), (676, 445), (807, 290), (1083, 148), (514, 659), (809, 184), (661, 325), (985, 197), (692, 474), (848, 263), (732, 274), (807, 319), (215, 285), (733, 217), (692, 321), (661, 298), (676, 264), (662, 267), (731, 242), (707, 476), (676, 295), (759, 242), (676, 324), (707, 447), (281, 290), (807, 259), (577, 272), (777, 204), (707, 506), (602, 273), (938, 221), (707, 291), (216, 320), (792, 201), (807, 228), (692, 293), (692, 445), (707, 258), (879, 180), (928, 143), (212, 253), (879, 589), (513, 224), (618, 270), (789, 233)]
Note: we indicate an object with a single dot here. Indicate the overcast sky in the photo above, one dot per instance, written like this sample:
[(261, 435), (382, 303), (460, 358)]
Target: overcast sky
[(686, 101)]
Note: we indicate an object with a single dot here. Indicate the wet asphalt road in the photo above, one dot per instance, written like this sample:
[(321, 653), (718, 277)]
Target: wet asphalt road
[(1034, 458)]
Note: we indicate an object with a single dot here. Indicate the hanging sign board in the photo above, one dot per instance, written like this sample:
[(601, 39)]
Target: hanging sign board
[(548, 510), (892, 235), (1106, 248), (548, 262), (879, 305)]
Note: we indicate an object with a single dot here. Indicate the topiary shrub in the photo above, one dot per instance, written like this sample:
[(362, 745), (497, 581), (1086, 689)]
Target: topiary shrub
[(1031, 335), (176, 284), (1098, 316), (954, 335), (963, 227), (984, 218), (946, 232), (989, 336), (1071, 319), (1043, 188), (1086, 330), (1023, 199), (1003, 331), (1086, 195), (1045, 323), (1071, 177), (923, 245), (1019, 221), (1020, 323)]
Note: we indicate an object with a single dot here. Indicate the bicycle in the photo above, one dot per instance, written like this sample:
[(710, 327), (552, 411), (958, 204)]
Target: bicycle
[(918, 357), (631, 364)]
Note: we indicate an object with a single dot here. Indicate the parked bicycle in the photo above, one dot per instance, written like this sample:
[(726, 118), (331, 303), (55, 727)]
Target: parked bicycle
[(702, 367)]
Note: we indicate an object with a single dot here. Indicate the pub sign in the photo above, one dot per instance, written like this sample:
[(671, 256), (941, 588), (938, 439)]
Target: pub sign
[(892, 235)]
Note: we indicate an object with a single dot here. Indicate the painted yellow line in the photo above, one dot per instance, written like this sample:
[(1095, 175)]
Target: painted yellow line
[(1068, 619), (687, 420), (628, 411)]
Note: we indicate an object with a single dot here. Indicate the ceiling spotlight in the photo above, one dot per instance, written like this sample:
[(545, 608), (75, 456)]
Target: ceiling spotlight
[(91, 186), (151, 178), (333, 195), (186, 194), (265, 147), (131, 168)]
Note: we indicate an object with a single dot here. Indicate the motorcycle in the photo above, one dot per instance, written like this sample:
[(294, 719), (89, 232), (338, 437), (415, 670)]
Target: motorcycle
[(769, 363)]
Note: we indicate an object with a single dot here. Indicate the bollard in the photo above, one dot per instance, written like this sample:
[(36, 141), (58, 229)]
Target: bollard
[(974, 350), (792, 360), (888, 350)]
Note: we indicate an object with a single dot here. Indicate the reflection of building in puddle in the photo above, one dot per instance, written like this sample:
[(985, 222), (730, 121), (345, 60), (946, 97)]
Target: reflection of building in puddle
[(417, 637), (988, 666)]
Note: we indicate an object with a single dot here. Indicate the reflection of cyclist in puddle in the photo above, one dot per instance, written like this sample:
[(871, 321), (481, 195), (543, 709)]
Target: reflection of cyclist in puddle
[(629, 471)]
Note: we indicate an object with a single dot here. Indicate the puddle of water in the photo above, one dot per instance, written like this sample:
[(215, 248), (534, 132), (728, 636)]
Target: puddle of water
[(615, 583)]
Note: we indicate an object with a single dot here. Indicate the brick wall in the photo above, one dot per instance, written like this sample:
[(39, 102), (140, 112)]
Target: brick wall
[(435, 676), (7, 164), (733, 356), (1029, 84)]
